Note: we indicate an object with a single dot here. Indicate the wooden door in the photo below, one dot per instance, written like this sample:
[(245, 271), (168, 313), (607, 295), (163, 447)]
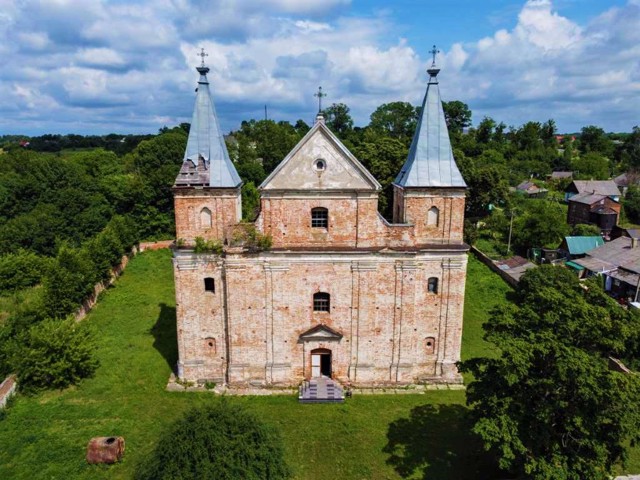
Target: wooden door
[(315, 365)]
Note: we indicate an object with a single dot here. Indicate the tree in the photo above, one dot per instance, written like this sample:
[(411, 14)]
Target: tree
[(594, 139), (487, 185), (53, 354), (631, 149), (395, 119), (548, 406), (457, 115), (631, 204), (220, 441), (338, 119), (591, 165), (542, 224), (585, 230)]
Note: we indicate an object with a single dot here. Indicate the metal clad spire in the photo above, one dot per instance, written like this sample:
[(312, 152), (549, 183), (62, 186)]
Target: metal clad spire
[(206, 149), (430, 162)]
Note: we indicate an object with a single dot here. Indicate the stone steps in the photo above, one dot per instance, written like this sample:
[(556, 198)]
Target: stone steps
[(320, 390)]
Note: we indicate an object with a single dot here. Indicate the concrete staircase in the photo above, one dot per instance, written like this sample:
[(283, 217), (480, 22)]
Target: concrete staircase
[(320, 390)]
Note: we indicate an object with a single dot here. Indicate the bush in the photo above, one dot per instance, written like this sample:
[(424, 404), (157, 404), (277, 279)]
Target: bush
[(53, 354), (220, 441), (207, 246), (22, 269)]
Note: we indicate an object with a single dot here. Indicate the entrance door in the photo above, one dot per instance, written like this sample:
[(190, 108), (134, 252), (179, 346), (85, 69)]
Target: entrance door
[(321, 363)]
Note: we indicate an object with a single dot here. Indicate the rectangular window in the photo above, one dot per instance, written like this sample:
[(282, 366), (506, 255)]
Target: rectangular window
[(209, 285), (319, 218), (321, 302)]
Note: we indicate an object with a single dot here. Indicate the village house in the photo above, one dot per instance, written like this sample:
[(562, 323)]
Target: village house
[(593, 208), (320, 286), (607, 188), (618, 261)]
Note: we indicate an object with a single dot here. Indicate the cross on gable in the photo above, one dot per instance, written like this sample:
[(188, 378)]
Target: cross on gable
[(320, 96)]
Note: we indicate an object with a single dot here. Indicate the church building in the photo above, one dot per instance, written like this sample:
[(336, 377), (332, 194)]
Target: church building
[(338, 292)]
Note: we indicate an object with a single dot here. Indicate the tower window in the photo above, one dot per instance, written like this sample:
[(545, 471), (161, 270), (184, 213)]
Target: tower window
[(433, 216), (319, 218), (205, 218), (433, 285), (209, 285), (321, 302)]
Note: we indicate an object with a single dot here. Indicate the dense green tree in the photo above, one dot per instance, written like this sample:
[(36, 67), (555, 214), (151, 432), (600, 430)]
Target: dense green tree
[(548, 406), (542, 224), (630, 152), (585, 230), (221, 441), (591, 165), (250, 202), (338, 119), (383, 157), (486, 186), (631, 204), (21, 269), (594, 139), (53, 354), (68, 282), (395, 119), (457, 115)]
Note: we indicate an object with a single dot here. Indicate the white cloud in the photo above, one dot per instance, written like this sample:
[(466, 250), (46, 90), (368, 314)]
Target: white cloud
[(111, 65)]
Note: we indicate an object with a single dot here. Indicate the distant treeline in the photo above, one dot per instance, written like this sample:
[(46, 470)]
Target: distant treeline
[(113, 142)]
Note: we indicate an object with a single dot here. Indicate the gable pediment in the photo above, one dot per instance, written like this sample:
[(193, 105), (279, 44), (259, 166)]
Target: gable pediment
[(320, 162), (320, 332)]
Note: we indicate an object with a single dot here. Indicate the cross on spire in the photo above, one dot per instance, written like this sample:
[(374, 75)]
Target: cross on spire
[(202, 55), (434, 51), (320, 96)]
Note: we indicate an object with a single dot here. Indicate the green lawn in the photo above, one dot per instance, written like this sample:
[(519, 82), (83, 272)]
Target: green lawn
[(370, 436)]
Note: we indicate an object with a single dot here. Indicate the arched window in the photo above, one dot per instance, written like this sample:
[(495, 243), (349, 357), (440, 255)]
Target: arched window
[(205, 218), (433, 216), (319, 217), (430, 345), (209, 285), (433, 284), (321, 302)]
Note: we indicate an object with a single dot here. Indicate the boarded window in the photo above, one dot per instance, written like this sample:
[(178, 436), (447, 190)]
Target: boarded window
[(209, 285), (205, 218), (319, 218), (433, 285), (430, 346), (433, 216), (321, 302)]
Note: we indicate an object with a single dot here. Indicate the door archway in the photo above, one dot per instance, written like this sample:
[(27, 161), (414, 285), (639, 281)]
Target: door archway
[(321, 363)]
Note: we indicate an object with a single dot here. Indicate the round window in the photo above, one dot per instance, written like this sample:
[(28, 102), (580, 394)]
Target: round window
[(320, 165)]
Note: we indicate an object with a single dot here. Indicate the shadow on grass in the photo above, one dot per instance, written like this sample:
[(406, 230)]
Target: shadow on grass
[(164, 334), (436, 441)]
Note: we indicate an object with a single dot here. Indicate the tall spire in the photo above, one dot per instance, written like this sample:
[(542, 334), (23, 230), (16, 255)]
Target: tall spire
[(206, 149), (430, 162)]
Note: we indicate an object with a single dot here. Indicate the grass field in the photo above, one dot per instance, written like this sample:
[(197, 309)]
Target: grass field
[(377, 436)]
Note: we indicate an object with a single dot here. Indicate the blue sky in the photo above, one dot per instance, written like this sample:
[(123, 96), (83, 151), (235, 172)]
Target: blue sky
[(123, 66)]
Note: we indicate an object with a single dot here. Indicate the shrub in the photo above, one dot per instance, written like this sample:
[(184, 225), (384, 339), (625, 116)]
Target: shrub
[(22, 269), (53, 354), (207, 246), (221, 441)]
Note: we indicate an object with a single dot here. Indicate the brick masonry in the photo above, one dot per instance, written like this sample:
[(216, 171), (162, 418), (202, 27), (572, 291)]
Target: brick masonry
[(257, 326)]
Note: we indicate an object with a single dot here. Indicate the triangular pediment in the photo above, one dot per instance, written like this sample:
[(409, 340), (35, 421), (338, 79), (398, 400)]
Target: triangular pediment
[(320, 162), (320, 332)]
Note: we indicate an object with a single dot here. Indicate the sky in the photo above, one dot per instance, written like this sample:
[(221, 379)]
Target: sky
[(102, 66)]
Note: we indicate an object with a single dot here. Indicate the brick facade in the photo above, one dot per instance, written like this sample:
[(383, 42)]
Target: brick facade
[(396, 291)]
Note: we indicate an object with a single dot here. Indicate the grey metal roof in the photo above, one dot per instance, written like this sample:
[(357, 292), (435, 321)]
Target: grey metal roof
[(587, 198), (206, 150), (602, 187), (430, 162), (619, 252)]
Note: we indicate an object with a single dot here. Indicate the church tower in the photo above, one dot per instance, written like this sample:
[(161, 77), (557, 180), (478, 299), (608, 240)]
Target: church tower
[(429, 191), (206, 192)]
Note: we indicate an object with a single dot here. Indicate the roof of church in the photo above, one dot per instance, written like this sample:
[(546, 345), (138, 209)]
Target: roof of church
[(343, 170), (430, 162), (206, 159)]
